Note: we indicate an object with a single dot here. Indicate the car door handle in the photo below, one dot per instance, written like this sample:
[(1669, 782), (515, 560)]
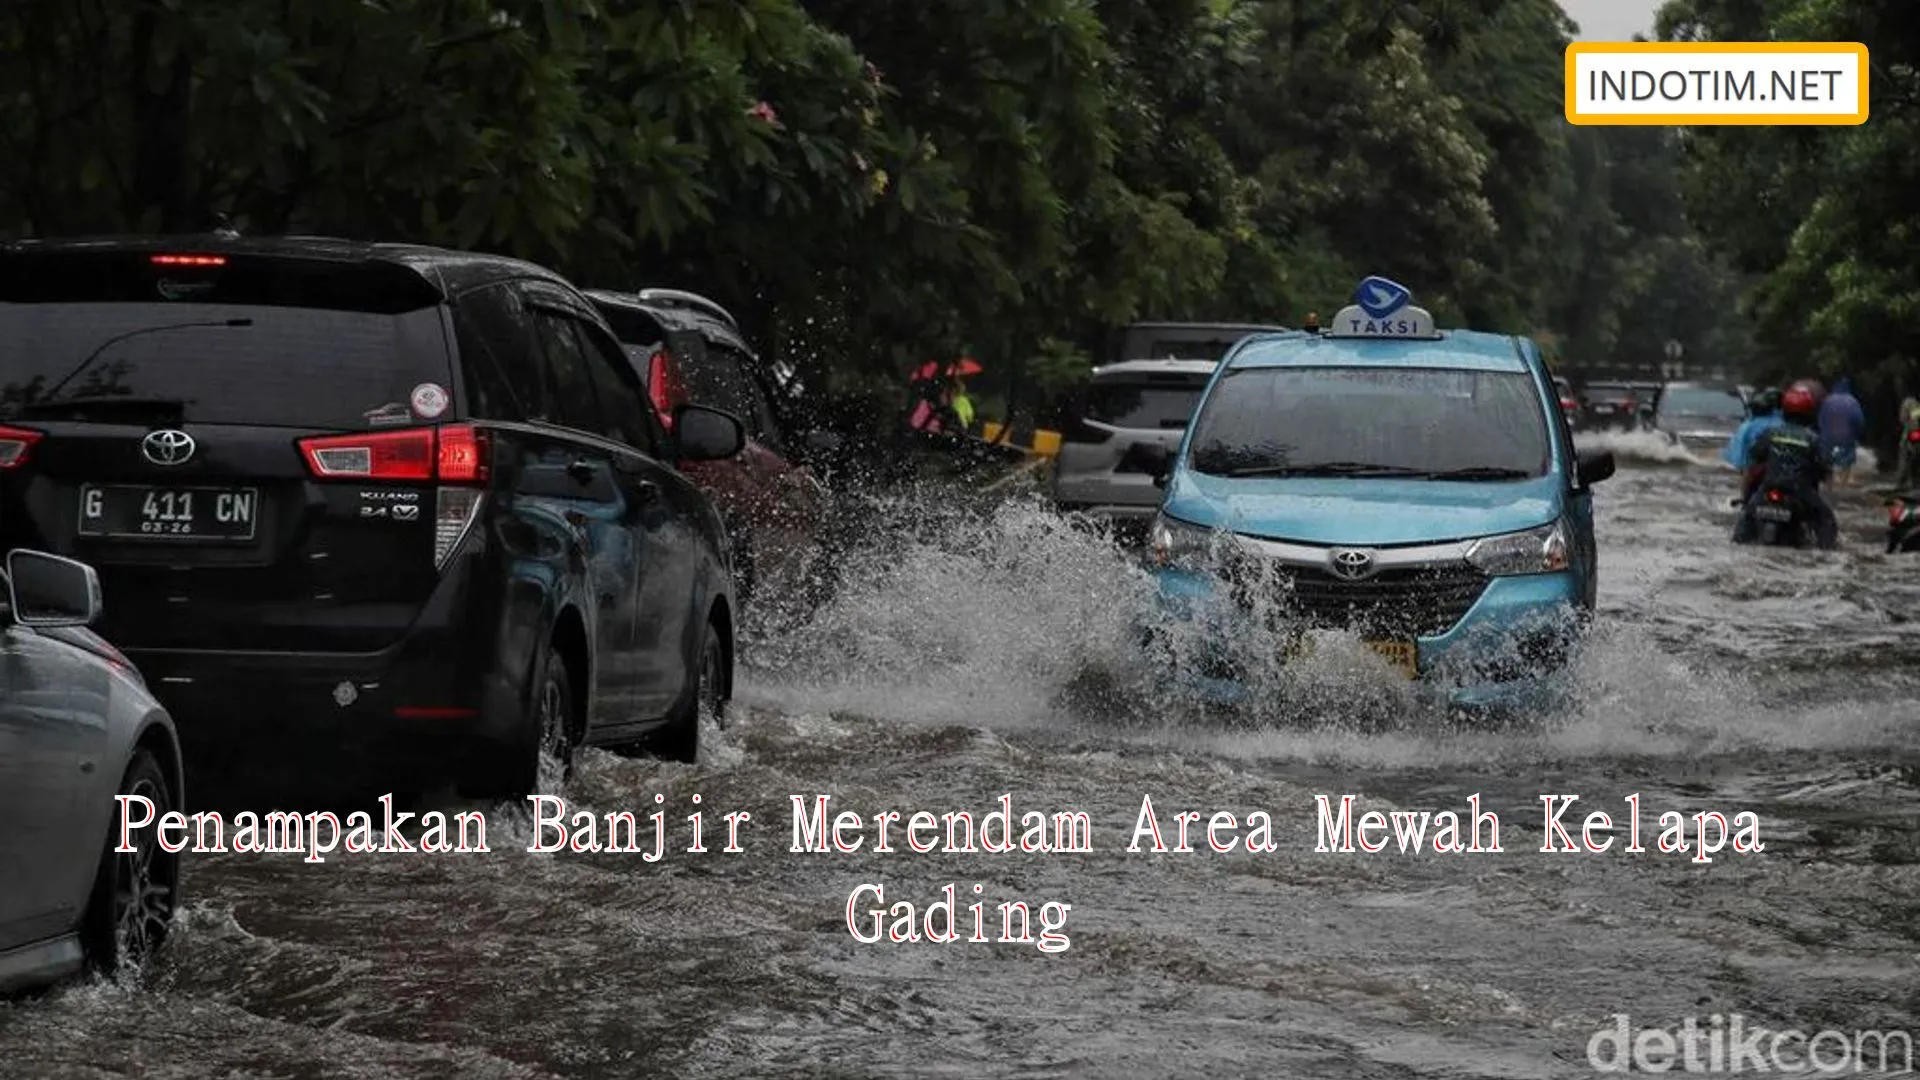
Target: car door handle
[(581, 471)]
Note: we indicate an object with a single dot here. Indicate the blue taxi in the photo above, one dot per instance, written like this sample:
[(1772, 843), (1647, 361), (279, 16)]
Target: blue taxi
[(1415, 486)]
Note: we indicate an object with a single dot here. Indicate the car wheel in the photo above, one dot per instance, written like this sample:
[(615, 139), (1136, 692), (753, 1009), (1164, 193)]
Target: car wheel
[(712, 687), (540, 762), (135, 892)]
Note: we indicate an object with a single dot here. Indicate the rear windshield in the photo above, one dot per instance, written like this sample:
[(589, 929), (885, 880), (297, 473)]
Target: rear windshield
[(1139, 405), (1700, 401), (1608, 392), (1355, 419), (1142, 347), (218, 363), (298, 338)]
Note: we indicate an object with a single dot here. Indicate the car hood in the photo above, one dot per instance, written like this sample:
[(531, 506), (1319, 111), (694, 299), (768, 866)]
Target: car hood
[(1362, 512)]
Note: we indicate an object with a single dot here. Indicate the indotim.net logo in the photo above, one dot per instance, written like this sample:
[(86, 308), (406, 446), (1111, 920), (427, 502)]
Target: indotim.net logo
[(1730, 1045)]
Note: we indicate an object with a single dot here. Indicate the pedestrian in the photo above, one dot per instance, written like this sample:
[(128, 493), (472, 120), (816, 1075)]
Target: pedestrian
[(1842, 422)]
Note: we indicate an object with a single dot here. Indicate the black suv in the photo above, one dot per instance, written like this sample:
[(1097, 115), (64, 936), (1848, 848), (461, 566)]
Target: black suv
[(368, 489)]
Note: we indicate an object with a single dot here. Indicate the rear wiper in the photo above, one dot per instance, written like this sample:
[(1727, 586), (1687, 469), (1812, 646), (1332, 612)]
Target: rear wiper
[(1479, 472), (1328, 468), (109, 403)]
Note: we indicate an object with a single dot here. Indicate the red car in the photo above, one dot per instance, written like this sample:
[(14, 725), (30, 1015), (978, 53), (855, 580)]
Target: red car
[(689, 349)]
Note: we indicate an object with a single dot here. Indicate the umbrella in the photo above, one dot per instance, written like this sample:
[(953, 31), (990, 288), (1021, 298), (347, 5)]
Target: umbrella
[(966, 365)]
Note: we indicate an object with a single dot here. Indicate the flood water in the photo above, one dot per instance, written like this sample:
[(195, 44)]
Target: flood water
[(1776, 682)]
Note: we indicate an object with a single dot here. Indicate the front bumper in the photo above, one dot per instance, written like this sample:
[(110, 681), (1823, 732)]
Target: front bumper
[(1510, 650)]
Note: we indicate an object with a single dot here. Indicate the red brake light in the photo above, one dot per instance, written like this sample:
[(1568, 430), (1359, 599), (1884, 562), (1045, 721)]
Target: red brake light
[(1914, 436), (14, 444), (1569, 403), (1776, 496), (663, 385), (454, 454), (189, 260)]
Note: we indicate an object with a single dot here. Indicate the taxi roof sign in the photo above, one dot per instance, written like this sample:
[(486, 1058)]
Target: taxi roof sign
[(1383, 308)]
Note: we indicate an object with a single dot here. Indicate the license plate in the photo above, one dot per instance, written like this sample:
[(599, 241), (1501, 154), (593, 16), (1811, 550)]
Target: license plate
[(129, 511), (1773, 513), (1603, 408), (1403, 655)]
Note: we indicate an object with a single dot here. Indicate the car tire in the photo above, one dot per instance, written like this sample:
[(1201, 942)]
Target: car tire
[(540, 760), (709, 692), (135, 893)]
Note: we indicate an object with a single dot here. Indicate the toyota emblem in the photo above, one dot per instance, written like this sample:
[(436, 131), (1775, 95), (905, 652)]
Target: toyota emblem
[(1351, 564), (167, 447)]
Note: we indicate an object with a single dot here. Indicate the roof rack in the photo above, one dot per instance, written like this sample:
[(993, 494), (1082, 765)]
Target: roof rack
[(682, 298)]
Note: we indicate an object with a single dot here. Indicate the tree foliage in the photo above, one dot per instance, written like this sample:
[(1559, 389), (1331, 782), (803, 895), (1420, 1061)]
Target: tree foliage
[(868, 182)]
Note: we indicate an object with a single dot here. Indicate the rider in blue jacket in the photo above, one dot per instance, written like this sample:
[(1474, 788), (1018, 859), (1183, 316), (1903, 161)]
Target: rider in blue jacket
[(1763, 416)]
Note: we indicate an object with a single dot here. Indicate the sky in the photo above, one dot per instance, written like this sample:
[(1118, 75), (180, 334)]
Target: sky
[(1612, 20)]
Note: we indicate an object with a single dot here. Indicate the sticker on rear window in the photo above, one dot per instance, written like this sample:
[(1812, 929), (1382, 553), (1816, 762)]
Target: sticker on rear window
[(393, 414), (430, 400)]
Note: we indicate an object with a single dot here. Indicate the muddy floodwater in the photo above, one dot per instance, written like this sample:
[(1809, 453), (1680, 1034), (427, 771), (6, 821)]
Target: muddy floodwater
[(1776, 683)]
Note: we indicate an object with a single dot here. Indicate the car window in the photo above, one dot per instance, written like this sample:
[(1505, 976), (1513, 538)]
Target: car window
[(1417, 419), (1141, 406), (565, 359), (269, 340), (496, 353), (625, 409), (1700, 401), (720, 380)]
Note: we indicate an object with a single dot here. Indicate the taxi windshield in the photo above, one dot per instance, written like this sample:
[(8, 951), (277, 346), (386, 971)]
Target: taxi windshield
[(1421, 423)]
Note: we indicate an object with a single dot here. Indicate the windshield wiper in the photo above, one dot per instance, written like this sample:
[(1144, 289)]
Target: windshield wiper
[(1325, 468), (1478, 472), (105, 403), (87, 361)]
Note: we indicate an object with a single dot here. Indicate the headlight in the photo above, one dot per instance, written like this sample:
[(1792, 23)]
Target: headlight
[(1535, 551), (1174, 543)]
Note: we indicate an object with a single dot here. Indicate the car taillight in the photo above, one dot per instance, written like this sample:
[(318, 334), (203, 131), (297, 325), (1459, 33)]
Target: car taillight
[(14, 445), (1569, 404), (663, 386), (188, 260), (1776, 495), (1914, 436), (454, 456)]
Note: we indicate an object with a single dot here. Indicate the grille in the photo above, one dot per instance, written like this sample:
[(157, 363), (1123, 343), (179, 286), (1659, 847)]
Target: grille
[(1418, 601)]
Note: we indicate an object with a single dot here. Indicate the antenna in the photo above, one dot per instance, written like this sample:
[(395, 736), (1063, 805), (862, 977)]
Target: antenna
[(682, 298)]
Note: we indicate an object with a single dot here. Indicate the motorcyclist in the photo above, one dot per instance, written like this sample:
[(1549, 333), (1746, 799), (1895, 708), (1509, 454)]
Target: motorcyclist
[(1909, 444), (1794, 459), (1763, 416)]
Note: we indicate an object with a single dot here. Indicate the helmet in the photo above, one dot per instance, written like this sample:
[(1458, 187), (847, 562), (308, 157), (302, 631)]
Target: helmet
[(1798, 403), (1813, 387), (1766, 401)]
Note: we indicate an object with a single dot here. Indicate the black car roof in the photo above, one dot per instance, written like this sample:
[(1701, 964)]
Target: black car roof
[(675, 317), (453, 272)]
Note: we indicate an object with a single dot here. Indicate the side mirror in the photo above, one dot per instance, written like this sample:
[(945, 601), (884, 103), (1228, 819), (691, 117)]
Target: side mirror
[(1151, 458), (1594, 466), (703, 434), (47, 590)]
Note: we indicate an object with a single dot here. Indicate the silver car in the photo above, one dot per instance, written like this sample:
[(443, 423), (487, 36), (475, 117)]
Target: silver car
[(1128, 405), (1699, 416), (77, 729)]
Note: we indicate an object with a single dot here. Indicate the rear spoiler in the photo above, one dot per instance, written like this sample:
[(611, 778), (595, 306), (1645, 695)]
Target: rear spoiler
[(206, 274)]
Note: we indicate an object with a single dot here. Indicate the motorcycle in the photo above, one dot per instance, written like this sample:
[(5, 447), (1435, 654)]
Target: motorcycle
[(1903, 524), (1781, 520)]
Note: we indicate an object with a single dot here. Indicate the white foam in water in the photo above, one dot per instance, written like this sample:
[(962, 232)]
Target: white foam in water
[(994, 617), (1644, 446)]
